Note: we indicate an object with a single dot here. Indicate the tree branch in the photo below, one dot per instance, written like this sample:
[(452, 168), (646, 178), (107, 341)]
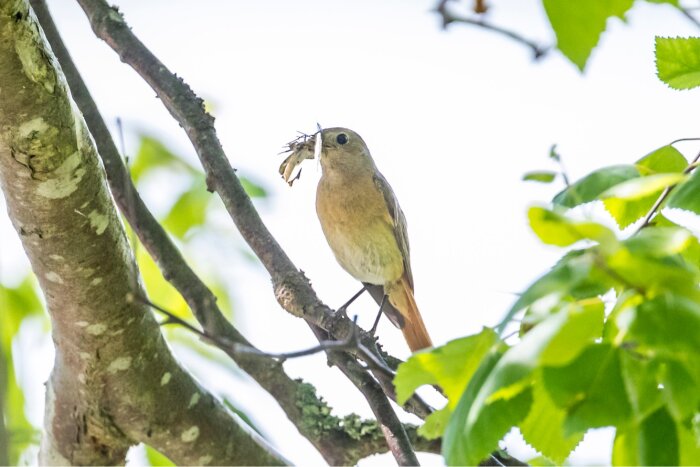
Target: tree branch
[(448, 17), (336, 444)]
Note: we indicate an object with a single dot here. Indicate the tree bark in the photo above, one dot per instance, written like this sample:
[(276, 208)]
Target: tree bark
[(114, 382)]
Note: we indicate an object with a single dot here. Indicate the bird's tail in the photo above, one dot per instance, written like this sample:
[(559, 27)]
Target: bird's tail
[(414, 331)]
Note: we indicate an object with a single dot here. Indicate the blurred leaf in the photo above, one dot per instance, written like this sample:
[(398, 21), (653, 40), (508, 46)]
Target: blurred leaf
[(434, 425), (642, 187), (189, 211), (659, 242), (578, 29), (153, 154), (543, 176), (667, 325), (590, 389), (594, 184), (687, 195), (629, 201), (678, 61), (689, 445), (155, 458), (681, 389), (542, 428), (253, 189), (639, 375), (159, 290), (666, 159), (554, 154), (652, 274), (554, 229), (574, 276), (16, 304), (653, 442)]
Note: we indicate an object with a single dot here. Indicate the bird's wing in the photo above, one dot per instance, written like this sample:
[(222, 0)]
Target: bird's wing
[(398, 221)]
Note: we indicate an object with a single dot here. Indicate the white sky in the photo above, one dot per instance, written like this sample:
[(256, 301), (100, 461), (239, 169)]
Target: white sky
[(453, 119)]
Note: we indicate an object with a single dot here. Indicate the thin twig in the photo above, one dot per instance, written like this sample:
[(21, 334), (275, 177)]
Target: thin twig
[(664, 194), (449, 17), (687, 13)]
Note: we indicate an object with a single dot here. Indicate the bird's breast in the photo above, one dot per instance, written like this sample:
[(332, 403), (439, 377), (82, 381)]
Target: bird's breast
[(359, 229)]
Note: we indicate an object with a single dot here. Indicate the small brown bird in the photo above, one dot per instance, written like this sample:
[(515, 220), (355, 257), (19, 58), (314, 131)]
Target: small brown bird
[(366, 229)]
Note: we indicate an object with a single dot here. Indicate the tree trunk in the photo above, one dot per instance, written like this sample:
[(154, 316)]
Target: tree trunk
[(114, 382)]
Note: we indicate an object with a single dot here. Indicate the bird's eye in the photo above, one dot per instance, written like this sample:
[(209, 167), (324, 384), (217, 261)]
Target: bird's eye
[(341, 138)]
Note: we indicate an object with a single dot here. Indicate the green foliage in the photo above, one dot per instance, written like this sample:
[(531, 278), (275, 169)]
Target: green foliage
[(578, 28), (632, 364), (542, 176), (687, 195), (678, 61), (16, 304)]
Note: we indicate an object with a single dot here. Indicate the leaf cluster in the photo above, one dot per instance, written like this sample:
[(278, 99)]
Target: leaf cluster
[(609, 337)]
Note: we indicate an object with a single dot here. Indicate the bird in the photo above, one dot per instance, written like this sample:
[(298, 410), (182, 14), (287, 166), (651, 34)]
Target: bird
[(366, 229)]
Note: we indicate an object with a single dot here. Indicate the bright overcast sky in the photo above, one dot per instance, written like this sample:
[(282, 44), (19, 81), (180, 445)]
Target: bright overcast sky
[(453, 119)]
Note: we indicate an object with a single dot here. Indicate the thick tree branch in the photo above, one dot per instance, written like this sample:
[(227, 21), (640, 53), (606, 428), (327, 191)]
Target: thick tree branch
[(114, 381), (335, 443)]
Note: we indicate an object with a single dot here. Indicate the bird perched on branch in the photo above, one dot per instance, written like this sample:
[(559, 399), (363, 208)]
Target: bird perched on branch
[(366, 229)]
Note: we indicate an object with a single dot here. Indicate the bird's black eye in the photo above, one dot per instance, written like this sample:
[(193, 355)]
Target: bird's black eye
[(341, 138)]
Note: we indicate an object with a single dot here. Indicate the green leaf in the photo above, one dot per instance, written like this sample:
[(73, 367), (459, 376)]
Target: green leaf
[(687, 195), (666, 159), (190, 210), (583, 325), (653, 442), (543, 176), (681, 389), (469, 439), (594, 184), (659, 242), (640, 377), (629, 201), (253, 189), (153, 154), (542, 428), (450, 366), (638, 188), (555, 229), (652, 274), (689, 444), (678, 61), (434, 425), (155, 458), (504, 395), (590, 389), (578, 29), (572, 277), (669, 325), (16, 304)]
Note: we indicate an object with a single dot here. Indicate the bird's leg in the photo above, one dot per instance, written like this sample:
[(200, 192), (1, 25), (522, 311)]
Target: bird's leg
[(379, 315), (344, 308)]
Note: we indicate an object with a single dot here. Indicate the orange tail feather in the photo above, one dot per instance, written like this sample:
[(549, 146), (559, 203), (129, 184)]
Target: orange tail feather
[(414, 330)]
